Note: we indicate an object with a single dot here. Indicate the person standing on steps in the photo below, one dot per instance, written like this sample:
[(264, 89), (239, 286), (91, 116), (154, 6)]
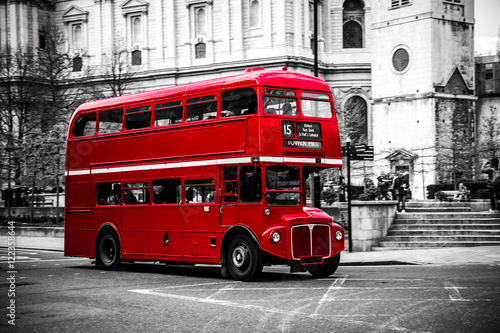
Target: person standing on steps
[(401, 185), (493, 172)]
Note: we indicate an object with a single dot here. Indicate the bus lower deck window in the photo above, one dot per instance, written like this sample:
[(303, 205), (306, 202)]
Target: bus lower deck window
[(199, 191), (108, 193), (167, 191), (136, 194)]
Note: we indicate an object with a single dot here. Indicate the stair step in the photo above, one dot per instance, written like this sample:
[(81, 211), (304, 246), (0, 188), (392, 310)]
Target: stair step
[(441, 215), (441, 238), (434, 244), (445, 226), (438, 209), (448, 232), (464, 221)]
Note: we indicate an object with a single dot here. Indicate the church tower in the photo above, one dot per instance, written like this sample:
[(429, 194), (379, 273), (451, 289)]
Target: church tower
[(423, 90)]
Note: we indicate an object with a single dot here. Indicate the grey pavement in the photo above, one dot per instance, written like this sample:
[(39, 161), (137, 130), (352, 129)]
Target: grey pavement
[(428, 256)]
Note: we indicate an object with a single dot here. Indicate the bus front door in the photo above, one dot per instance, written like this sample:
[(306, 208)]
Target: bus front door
[(228, 196)]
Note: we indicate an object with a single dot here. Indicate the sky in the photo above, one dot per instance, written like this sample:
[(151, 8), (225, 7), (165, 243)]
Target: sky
[(487, 15)]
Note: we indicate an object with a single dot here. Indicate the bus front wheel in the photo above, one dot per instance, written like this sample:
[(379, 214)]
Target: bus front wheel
[(327, 268), (108, 251), (244, 261)]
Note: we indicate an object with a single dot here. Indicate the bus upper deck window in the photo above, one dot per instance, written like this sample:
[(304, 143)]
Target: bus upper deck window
[(139, 117), (281, 102), (318, 106), (110, 121), (201, 108), (168, 113), (238, 102), (85, 125)]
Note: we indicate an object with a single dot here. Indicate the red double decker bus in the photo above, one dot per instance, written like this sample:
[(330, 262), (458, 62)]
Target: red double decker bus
[(211, 172)]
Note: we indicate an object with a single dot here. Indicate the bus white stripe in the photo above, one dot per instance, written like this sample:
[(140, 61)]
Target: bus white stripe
[(236, 160)]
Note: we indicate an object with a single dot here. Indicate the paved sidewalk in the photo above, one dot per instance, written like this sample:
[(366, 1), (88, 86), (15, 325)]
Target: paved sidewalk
[(432, 256)]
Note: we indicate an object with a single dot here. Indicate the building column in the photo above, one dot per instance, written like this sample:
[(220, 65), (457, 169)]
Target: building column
[(267, 27), (98, 33), (171, 33), (238, 29), (159, 31)]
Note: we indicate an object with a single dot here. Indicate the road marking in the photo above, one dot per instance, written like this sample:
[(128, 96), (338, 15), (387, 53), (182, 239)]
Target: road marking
[(38, 260), (453, 291), (337, 284)]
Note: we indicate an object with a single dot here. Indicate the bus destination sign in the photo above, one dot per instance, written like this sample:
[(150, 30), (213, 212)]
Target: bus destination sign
[(293, 131)]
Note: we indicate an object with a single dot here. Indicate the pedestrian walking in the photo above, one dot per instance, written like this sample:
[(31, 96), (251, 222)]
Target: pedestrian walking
[(491, 169)]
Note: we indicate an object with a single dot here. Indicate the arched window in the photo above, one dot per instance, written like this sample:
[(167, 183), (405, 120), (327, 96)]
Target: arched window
[(356, 120), (255, 14), (77, 64), (136, 58), (136, 30), (353, 23), (352, 35), (201, 22), (77, 36)]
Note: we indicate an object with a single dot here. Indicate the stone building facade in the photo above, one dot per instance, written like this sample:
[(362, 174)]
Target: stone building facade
[(401, 71)]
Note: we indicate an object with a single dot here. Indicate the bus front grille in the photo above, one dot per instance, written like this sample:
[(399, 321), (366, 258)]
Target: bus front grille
[(310, 240)]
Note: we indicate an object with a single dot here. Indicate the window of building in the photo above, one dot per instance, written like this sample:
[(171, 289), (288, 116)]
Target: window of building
[(238, 102), (200, 50), (167, 191), (355, 119), (199, 191), (353, 24), (75, 20), (85, 125), (399, 3), (110, 121), (168, 113), (77, 64), (139, 117), (201, 108), (136, 29), (108, 194), (136, 58), (255, 14), (42, 40), (401, 60), (200, 20)]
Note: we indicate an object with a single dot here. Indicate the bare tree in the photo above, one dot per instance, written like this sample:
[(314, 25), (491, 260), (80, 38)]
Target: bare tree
[(490, 131), (117, 70)]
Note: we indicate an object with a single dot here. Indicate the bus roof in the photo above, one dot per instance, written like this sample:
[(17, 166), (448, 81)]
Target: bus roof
[(251, 77)]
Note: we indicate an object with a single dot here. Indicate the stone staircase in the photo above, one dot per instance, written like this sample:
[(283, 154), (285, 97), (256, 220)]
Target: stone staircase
[(450, 224)]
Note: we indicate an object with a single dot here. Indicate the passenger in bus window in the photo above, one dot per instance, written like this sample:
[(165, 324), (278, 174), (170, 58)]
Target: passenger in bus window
[(252, 109), (160, 195), (113, 198), (129, 198), (287, 109)]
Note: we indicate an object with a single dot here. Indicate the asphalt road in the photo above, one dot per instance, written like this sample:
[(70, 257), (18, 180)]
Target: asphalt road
[(58, 294)]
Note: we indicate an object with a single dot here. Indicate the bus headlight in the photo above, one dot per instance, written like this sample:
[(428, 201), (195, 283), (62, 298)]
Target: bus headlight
[(338, 235), (276, 237)]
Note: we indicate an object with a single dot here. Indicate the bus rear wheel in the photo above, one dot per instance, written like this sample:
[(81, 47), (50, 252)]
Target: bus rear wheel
[(244, 261), (327, 268), (108, 251)]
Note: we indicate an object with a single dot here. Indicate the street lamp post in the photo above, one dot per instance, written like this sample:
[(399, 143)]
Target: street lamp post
[(349, 209)]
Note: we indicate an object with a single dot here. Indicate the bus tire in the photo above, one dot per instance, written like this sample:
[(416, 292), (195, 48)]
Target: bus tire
[(108, 251), (243, 259), (327, 268)]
